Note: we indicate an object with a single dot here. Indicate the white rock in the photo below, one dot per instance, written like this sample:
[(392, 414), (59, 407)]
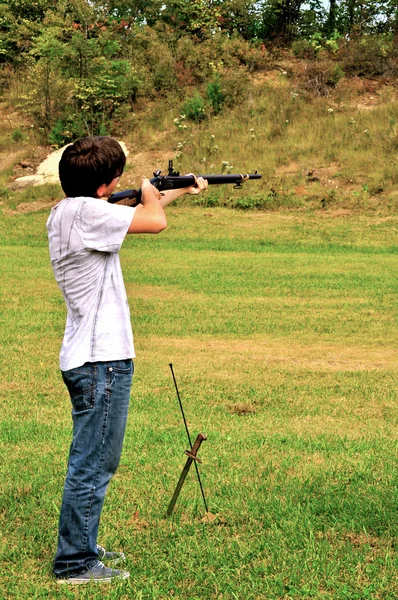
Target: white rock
[(47, 171)]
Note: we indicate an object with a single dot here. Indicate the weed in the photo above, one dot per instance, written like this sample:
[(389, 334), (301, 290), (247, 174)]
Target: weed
[(194, 108), (18, 136), (215, 95)]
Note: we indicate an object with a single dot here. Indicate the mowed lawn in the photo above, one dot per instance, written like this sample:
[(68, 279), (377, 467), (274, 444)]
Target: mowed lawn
[(282, 331)]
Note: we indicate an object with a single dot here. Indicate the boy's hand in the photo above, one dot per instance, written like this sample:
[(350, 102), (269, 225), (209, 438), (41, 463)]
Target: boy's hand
[(148, 216), (147, 188), (170, 195), (200, 184)]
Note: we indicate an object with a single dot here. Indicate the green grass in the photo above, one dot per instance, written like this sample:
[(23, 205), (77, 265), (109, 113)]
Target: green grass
[(282, 330)]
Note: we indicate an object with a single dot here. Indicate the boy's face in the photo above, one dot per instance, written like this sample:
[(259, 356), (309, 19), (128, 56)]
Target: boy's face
[(106, 190)]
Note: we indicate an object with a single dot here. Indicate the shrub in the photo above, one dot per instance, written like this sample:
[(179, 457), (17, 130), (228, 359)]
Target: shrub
[(215, 94), (304, 49), (368, 56), (66, 130), (198, 62), (320, 76), (237, 51), (194, 108), (18, 135), (234, 86)]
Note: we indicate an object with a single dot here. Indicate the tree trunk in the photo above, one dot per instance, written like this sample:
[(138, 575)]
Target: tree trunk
[(331, 20), (288, 18)]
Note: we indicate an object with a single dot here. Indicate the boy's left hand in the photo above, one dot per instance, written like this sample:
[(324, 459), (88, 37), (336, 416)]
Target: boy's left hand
[(169, 195), (200, 184)]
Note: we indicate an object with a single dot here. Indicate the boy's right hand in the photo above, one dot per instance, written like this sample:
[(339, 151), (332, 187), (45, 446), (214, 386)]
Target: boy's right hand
[(149, 216), (147, 188)]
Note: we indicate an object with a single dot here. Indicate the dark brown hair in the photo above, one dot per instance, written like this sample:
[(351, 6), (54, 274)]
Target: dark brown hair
[(88, 163)]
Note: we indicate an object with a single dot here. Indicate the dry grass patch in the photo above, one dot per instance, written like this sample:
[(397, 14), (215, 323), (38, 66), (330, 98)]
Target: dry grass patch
[(269, 353), (28, 207)]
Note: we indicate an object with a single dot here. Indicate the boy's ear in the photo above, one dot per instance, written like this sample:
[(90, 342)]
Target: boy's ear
[(102, 190)]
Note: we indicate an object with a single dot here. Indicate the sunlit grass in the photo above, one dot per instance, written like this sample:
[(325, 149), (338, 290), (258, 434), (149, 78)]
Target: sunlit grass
[(282, 332)]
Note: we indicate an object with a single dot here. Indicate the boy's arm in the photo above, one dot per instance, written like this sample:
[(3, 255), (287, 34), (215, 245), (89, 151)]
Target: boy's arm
[(169, 195), (149, 216)]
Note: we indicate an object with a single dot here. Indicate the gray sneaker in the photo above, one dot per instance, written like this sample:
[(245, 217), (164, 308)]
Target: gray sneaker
[(110, 557), (97, 574)]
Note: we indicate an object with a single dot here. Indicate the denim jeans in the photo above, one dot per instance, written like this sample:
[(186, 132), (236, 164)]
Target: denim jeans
[(100, 394)]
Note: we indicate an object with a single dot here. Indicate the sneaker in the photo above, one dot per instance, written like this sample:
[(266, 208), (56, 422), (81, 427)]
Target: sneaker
[(97, 574), (110, 557)]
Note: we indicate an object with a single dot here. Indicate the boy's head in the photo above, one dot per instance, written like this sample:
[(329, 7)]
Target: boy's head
[(88, 164)]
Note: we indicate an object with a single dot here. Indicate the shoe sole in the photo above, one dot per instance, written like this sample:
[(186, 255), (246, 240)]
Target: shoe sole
[(72, 581)]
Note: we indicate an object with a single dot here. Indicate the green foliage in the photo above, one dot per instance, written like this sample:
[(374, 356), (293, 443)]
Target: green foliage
[(5, 192), (369, 56), (84, 65), (26, 9), (245, 20), (151, 60), (193, 16), (18, 135), (311, 47), (194, 108), (16, 36), (67, 130), (234, 86), (215, 95), (303, 48)]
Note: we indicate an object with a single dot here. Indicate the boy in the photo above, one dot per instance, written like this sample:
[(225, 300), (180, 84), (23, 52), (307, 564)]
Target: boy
[(96, 359)]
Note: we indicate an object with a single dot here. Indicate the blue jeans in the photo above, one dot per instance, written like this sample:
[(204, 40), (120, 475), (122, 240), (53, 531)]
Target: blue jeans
[(100, 394)]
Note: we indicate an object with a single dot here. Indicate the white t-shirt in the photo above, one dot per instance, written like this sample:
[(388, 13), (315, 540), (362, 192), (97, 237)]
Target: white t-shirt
[(85, 236)]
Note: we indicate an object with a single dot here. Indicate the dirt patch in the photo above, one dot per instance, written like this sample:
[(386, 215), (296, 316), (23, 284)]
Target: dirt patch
[(145, 164), (292, 168), (366, 94), (312, 173), (242, 408), (335, 214), (8, 159), (278, 77)]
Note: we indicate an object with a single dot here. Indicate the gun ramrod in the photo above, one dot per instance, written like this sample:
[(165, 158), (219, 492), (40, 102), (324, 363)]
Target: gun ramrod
[(173, 181)]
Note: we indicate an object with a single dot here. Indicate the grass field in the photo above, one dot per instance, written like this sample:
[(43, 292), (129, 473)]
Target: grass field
[(282, 330)]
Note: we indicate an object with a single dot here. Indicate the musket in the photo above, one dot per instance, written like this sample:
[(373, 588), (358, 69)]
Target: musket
[(173, 181)]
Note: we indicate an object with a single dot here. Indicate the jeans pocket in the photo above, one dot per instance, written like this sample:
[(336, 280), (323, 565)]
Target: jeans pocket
[(81, 383), (123, 366)]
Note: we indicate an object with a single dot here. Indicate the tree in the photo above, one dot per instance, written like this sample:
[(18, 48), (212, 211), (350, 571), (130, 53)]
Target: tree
[(331, 18), (363, 16), (26, 9), (19, 22), (281, 19)]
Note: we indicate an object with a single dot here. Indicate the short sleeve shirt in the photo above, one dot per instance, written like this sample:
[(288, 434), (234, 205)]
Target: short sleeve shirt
[(85, 236)]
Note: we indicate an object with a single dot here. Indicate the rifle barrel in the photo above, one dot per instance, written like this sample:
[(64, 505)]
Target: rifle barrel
[(174, 182)]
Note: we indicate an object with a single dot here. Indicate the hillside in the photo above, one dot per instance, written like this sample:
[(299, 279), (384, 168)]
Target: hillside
[(317, 146)]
